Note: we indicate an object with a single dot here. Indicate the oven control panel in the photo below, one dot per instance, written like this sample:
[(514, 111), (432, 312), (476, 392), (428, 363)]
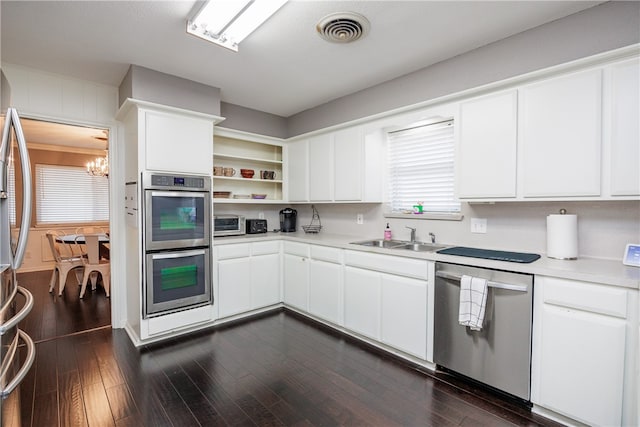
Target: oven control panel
[(177, 182)]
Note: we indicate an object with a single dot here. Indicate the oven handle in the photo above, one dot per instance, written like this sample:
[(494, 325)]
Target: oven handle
[(178, 254), (490, 283), (163, 193)]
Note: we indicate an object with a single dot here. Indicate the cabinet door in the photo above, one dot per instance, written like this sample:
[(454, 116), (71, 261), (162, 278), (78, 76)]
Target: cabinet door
[(296, 281), (178, 144), (582, 359), (362, 301), (234, 286), (265, 280), (348, 159), (404, 314), (487, 147), (325, 290), (625, 131), (320, 168), (298, 175), (560, 136)]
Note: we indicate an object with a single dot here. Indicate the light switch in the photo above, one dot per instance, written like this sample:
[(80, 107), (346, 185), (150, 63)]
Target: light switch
[(478, 225)]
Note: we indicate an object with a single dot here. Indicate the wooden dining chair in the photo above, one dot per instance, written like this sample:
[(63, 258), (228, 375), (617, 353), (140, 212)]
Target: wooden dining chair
[(65, 262), (93, 263)]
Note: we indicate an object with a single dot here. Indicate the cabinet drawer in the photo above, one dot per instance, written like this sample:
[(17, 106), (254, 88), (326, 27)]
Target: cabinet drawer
[(324, 253), (583, 296), (233, 251), (293, 248), (265, 248), (388, 264)]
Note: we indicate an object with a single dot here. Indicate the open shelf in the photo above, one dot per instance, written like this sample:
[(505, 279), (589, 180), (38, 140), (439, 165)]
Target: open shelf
[(243, 153)]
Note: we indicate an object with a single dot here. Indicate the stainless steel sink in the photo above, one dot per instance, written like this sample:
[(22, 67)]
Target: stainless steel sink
[(420, 247), (401, 244), (380, 243)]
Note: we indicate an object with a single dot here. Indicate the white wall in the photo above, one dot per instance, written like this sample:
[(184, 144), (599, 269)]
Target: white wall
[(604, 228)]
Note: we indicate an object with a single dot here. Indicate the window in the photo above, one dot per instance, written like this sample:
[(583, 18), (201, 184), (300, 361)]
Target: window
[(67, 194), (421, 168)]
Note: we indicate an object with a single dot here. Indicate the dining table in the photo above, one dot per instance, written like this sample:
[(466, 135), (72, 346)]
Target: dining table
[(103, 241)]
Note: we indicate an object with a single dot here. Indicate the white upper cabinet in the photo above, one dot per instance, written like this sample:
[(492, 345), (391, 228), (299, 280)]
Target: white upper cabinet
[(177, 143), (622, 127), (320, 168), (560, 136), (298, 175), (574, 136), (349, 153), (340, 166), (486, 152)]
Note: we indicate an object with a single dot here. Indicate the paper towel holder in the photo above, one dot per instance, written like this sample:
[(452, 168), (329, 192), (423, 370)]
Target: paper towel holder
[(564, 229)]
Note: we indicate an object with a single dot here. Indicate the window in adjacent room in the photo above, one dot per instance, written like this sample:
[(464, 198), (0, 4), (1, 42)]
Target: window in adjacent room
[(421, 168), (67, 194)]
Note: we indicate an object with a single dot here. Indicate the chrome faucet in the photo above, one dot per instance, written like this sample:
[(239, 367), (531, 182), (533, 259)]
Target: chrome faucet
[(433, 237), (413, 233)]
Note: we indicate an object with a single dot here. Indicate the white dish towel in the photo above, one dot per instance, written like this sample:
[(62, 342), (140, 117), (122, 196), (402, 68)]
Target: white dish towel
[(473, 301)]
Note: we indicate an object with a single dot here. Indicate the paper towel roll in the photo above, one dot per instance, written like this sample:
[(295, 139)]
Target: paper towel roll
[(562, 236)]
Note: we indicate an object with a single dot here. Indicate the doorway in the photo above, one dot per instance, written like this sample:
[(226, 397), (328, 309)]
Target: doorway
[(66, 197)]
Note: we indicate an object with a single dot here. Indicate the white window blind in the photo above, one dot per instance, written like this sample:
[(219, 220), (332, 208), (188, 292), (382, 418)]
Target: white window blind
[(421, 168), (67, 194)]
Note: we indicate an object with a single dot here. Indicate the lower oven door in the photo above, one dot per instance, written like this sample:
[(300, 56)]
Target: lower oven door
[(176, 280)]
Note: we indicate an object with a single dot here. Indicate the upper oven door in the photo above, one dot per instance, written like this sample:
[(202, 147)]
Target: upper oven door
[(176, 219)]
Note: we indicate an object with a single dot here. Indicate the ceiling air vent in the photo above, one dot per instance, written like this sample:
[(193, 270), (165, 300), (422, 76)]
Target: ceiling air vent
[(343, 27)]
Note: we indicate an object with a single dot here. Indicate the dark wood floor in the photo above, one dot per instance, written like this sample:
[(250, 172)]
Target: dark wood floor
[(277, 369), (56, 316)]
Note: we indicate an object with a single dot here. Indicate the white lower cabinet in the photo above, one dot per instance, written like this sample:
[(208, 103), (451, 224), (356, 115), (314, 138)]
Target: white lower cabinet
[(248, 277), (404, 314), (325, 290), (381, 303), (579, 350), (296, 275), (265, 280), (362, 293), (234, 286)]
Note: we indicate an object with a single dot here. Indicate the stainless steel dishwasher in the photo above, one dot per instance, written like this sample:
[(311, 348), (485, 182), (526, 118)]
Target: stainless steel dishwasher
[(499, 355)]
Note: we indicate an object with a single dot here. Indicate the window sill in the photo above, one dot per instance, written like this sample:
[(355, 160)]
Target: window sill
[(427, 215)]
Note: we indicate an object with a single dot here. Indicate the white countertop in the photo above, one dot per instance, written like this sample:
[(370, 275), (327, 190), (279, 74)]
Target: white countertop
[(584, 269)]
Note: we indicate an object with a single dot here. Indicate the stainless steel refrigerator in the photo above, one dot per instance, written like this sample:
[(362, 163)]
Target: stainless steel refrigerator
[(17, 350)]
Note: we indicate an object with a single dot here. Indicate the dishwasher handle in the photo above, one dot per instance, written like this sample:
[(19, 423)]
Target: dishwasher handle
[(490, 283)]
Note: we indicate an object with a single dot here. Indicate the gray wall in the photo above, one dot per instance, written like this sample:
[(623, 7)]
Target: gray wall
[(596, 30), (248, 120), (153, 86)]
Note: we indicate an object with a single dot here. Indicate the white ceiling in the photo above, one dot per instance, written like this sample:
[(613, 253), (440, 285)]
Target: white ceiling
[(284, 67)]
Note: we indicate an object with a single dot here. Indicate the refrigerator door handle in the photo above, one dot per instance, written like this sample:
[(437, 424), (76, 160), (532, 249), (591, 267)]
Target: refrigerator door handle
[(28, 305), (31, 356), (26, 185)]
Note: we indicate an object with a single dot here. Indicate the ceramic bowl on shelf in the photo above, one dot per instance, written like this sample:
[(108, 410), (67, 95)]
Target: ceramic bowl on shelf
[(247, 173), (221, 194), (241, 196), (258, 196)]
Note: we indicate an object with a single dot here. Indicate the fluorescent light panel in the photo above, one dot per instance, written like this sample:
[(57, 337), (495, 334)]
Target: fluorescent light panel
[(228, 22)]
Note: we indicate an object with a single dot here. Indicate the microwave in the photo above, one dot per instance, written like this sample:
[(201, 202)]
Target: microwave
[(228, 225)]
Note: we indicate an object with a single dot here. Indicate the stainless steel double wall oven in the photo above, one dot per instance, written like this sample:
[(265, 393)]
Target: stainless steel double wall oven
[(177, 242)]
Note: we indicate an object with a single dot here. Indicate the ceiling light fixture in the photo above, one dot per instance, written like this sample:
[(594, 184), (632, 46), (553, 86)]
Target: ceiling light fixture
[(99, 166), (228, 22)]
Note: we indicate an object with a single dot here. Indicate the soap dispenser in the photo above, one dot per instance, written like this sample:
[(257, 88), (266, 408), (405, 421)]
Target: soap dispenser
[(387, 233)]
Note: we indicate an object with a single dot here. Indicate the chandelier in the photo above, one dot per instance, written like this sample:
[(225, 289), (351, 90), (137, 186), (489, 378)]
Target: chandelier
[(99, 166)]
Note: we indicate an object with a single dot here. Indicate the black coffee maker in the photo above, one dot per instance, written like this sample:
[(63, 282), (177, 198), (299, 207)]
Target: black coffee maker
[(288, 218)]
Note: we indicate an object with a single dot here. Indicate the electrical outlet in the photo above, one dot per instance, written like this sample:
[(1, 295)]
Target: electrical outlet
[(261, 215), (359, 219), (478, 225)]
